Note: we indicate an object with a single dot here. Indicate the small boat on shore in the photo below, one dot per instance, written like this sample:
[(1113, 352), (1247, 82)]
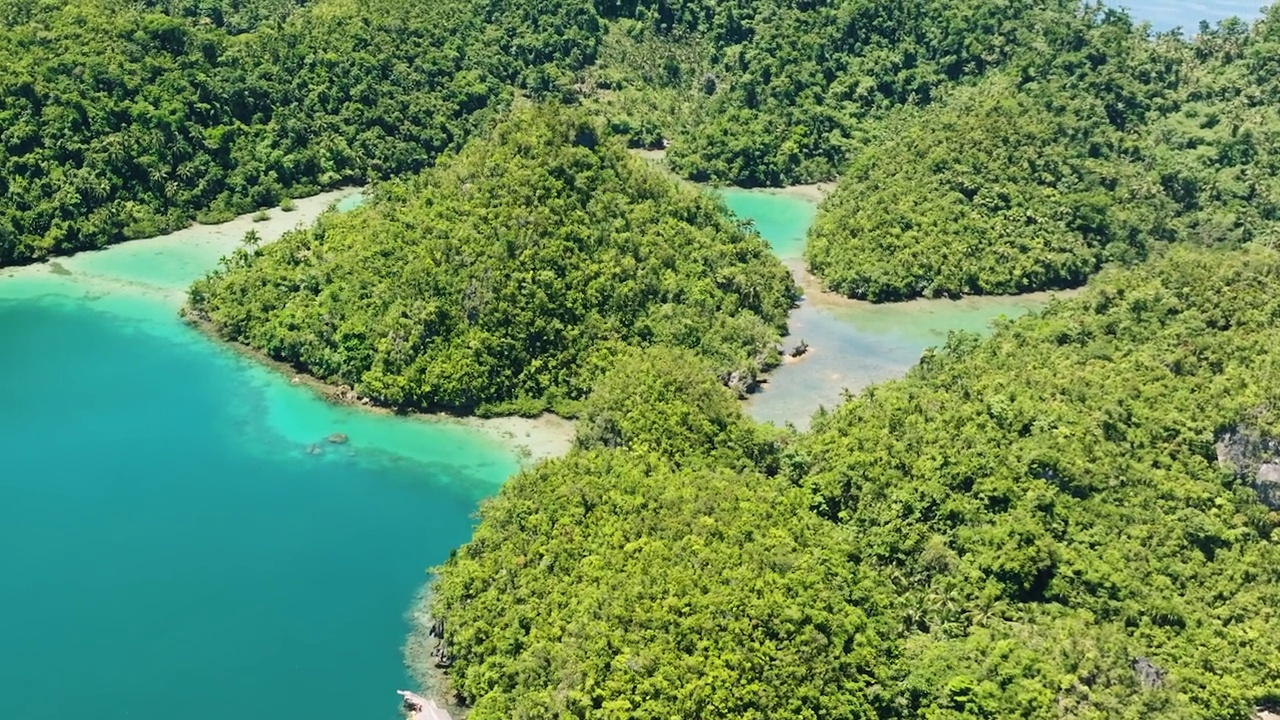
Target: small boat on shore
[(420, 708)]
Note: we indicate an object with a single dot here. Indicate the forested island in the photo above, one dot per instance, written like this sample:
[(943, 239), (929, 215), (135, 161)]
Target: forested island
[(1075, 517)]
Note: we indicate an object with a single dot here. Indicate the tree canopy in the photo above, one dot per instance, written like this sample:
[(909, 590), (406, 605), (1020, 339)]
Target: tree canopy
[(668, 403), (995, 190), (717, 596), (772, 93), (508, 276), (122, 120), (129, 119), (1050, 507), (1095, 147)]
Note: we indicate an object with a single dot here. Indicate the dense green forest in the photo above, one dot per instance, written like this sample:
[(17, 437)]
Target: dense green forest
[(121, 120), (1092, 151), (507, 277), (771, 93), (1034, 525)]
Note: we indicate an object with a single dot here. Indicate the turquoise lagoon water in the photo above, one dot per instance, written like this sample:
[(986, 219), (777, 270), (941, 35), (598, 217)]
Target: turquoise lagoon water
[(169, 545), (854, 344)]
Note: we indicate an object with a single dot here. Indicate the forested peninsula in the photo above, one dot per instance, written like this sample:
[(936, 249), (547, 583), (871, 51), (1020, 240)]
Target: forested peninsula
[(507, 278), (1096, 146)]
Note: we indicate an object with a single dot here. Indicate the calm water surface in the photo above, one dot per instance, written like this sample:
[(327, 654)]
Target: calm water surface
[(853, 344), (169, 546)]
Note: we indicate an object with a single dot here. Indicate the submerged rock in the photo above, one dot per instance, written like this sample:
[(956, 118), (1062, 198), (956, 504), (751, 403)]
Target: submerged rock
[(337, 439)]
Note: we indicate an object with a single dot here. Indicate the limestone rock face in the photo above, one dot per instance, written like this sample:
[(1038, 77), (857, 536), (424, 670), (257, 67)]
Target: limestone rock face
[(1267, 483), (1149, 674), (1255, 458)]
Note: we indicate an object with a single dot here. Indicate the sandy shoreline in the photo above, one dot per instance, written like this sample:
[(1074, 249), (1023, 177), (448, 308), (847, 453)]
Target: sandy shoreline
[(194, 245), (813, 192), (816, 294)]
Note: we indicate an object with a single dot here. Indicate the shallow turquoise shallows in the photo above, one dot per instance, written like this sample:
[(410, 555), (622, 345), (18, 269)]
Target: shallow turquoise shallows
[(170, 546), (854, 344)]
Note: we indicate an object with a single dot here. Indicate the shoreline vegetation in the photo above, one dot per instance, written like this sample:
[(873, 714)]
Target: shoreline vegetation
[(197, 241), (532, 439), (816, 294)]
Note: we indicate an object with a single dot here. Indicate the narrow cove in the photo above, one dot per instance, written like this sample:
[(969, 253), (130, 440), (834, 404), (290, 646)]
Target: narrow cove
[(852, 344)]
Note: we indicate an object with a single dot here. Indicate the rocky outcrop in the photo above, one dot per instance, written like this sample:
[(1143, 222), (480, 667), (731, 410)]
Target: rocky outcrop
[(344, 395), (742, 382), (1254, 457), (1267, 483), (417, 707), (1149, 674)]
